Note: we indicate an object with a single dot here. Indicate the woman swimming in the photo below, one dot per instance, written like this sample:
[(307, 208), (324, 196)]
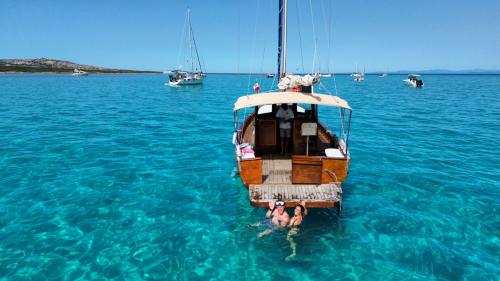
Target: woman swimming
[(299, 213)]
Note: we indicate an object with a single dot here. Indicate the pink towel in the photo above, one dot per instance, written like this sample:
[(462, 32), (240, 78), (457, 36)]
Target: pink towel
[(247, 150)]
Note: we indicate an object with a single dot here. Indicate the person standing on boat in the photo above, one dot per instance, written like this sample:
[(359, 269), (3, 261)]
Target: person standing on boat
[(285, 115)]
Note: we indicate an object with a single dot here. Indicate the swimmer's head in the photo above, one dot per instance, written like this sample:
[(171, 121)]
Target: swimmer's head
[(299, 210), (280, 205)]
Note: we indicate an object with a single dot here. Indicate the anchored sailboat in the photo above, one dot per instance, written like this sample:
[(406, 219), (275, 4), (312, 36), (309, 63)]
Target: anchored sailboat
[(179, 77), (319, 159), (358, 76)]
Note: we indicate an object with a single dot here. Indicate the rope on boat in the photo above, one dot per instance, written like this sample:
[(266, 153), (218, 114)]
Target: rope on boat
[(272, 84), (300, 36), (315, 40), (181, 41), (253, 51), (332, 174), (253, 46), (330, 38)]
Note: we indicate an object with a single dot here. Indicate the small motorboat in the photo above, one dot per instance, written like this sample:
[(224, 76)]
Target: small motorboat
[(269, 75), (78, 72), (414, 81)]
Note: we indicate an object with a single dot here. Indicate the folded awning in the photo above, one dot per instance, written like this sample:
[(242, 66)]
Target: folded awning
[(289, 97)]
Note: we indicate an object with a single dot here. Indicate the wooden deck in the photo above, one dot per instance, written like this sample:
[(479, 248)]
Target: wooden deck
[(277, 169), (315, 196), (277, 184)]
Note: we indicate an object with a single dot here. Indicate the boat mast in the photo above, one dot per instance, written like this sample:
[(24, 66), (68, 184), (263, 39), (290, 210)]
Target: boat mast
[(282, 29), (329, 36), (194, 43), (190, 38)]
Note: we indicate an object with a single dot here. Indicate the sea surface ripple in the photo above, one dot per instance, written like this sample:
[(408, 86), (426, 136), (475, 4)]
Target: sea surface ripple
[(121, 177)]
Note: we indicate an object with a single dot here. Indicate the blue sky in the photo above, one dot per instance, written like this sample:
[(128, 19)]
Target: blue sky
[(242, 35)]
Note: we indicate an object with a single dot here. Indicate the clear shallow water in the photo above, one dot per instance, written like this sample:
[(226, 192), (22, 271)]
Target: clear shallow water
[(121, 177)]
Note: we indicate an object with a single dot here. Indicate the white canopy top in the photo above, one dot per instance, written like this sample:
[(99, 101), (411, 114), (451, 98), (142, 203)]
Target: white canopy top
[(289, 97)]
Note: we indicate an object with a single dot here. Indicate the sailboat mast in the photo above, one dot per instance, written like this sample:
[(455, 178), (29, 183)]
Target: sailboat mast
[(195, 47), (285, 24), (190, 39), (329, 35), (282, 30)]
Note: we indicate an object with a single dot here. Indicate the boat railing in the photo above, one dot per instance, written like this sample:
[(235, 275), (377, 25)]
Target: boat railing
[(332, 137)]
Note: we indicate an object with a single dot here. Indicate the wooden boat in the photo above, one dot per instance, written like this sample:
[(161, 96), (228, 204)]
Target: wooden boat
[(319, 159)]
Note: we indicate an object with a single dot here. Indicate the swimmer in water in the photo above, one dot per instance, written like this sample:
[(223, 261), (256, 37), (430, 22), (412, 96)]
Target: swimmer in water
[(299, 213), (276, 217)]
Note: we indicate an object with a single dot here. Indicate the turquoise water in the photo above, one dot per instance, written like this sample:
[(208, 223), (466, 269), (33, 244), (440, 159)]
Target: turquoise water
[(121, 177)]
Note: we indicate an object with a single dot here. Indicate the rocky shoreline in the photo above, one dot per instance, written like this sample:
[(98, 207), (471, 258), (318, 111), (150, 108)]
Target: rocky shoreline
[(44, 65)]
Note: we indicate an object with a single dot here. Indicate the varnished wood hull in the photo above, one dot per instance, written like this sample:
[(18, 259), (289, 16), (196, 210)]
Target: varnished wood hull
[(300, 177), (250, 171), (305, 169)]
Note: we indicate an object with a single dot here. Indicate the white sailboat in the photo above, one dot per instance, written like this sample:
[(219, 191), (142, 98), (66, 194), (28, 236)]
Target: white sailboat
[(179, 77), (358, 76), (327, 73)]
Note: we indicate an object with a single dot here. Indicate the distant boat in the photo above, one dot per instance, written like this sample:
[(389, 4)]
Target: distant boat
[(179, 77), (325, 75), (358, 76), (269, 75), (383, 75), (78, 72), (413, 81)]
